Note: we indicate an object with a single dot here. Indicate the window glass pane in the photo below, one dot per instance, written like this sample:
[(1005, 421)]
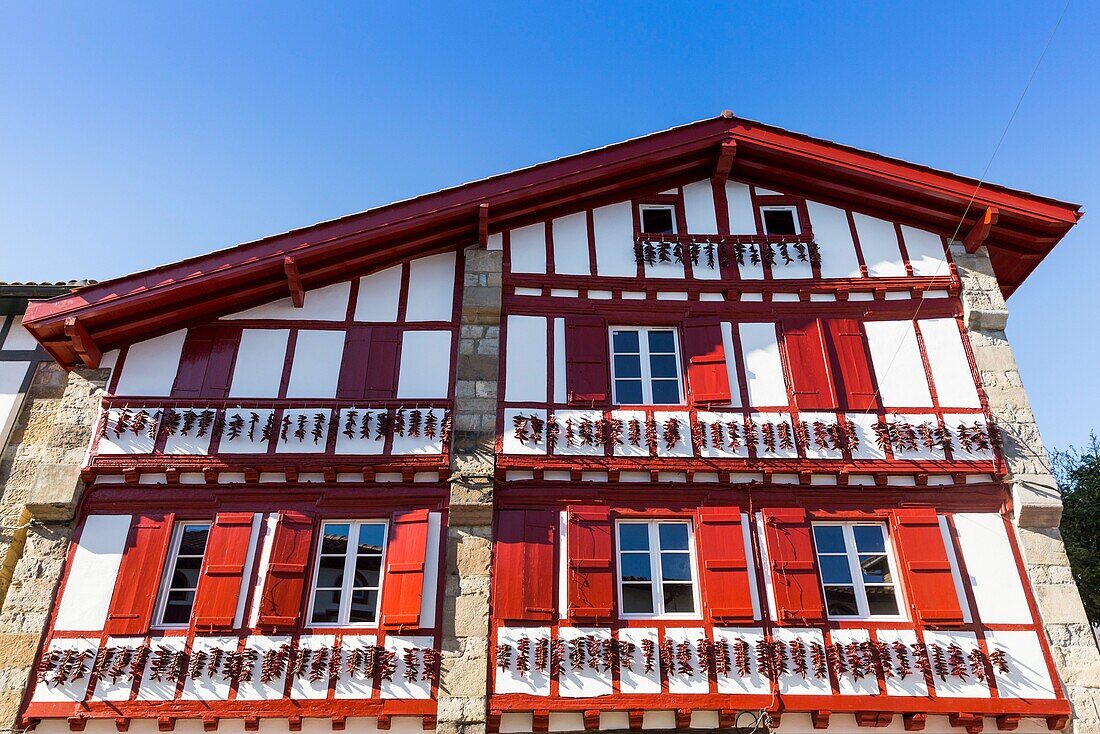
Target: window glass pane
[(678, 598), (876, 570), (636, 567), (657, 221), (829, 538), (628, 392), (675, 567), (673, 535), (629, 365), (193, 540), (779, 221), (665, 392), (177, 610), (330, 573), (370, 538), (881, 600), (662, 365), (661, 342), (841, 601), (335, 539), (637, 599), (363, 605), (835, 570), (869, 539), (625, 341), (366, 571), (186, 573), (633, 536), (326, 607)]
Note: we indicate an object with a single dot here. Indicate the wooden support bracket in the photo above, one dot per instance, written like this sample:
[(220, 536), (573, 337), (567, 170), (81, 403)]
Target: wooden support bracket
[(914, 722), (973, 723), (1008, 722), (977, 234), (294, 282), (77, 723), (483, 225), (540, 721), (726, 153), (166, 723), (636, 718), (683, 718), (820, 719), (592, 720), (83, 345), (122, 723), (209, 723)]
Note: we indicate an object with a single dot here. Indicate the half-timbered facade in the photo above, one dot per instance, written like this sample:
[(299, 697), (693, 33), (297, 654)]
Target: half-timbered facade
[(687, 432)]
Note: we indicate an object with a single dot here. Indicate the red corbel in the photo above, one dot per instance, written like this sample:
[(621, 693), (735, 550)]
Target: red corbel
[(975, 238), (914, 722), (726, 153), (83, 345), (294, 282), (820, 719), (483, 225)]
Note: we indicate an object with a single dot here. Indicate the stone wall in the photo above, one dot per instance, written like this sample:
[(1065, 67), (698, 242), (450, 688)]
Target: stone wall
[(39, 488), (1037, 504)]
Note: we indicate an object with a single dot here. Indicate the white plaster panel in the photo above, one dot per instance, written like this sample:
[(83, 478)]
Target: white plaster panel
[(922, 452), (956, 687), (958, 451), (355, 443), (664, 270), (833, 235), (12, 375), (120, 689), (307, 444), (952, 556), (879, 242), (534, 682), (613, 226), (94, 569), (258, 370), (560, 394), (731, 364), (127, 442), (425, 364), (742, 220), (242, 444), (775, 418), (165, 688), (991, 568), (584, 683), (353, 685), (562, 447), (525, 359), (849, 685), (682, 448), (316, 367), (897, 363), (72, 690), (431, 288), (208, 687), (709, 449), (398, 687), (571, 244), (18, 338), (733, 682), (912, 684), (763, 368), (950, 366), (813, 451), (699, 208), (303, 687), (409, 444), (635, 679), (925, 250), (254, 689), (1028, 675), (527, 248), (680, 681), (193, 444), (150, 366), (865, 434), (379, 294), (795, 683), (626, 448), (321, 304), (511, 444), (430, 587), (495, 242)]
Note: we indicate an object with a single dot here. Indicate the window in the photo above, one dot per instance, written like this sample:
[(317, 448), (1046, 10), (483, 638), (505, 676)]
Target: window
[(658, 220), (645, 366), (656, 569), (348, 575), (780, 219), (182, 573), (856, 570)]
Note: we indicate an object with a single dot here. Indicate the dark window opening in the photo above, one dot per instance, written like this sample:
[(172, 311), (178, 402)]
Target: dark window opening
[(658, 220), (779, 221)]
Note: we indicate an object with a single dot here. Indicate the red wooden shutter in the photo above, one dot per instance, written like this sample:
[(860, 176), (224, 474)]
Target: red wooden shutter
[(353, 366), (851, 365), (798, 596), (524, 566), (380, 382), (925, 566), (591, 584), (587, 368), (807, 360), (222, 571), (725, 571), (705, 356), (403, 586), (287, 570), (206, 362), (139, 575)]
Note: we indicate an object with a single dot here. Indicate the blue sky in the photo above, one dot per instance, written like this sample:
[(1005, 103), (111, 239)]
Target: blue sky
[(137, 134)]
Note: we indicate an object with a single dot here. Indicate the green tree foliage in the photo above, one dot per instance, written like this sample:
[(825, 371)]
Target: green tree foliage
[(1078, 475)]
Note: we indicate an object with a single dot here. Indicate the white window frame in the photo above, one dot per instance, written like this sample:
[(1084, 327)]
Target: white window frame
[(643, 357), (860, 590), (781, 208), (170, 570), (349, 572), (656, 580), (652, 207)]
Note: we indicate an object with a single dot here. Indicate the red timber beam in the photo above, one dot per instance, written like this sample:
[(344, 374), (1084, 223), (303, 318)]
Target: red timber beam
[(722, 166), (483, 225), (82, 343), (294, 282), (978, 233)]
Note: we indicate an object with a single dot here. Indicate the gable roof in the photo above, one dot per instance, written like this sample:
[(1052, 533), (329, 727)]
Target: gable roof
[(77, 326)]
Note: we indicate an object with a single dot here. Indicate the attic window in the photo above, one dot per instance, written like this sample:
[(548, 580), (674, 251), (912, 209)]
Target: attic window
[(658, 220), (779, 220)]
